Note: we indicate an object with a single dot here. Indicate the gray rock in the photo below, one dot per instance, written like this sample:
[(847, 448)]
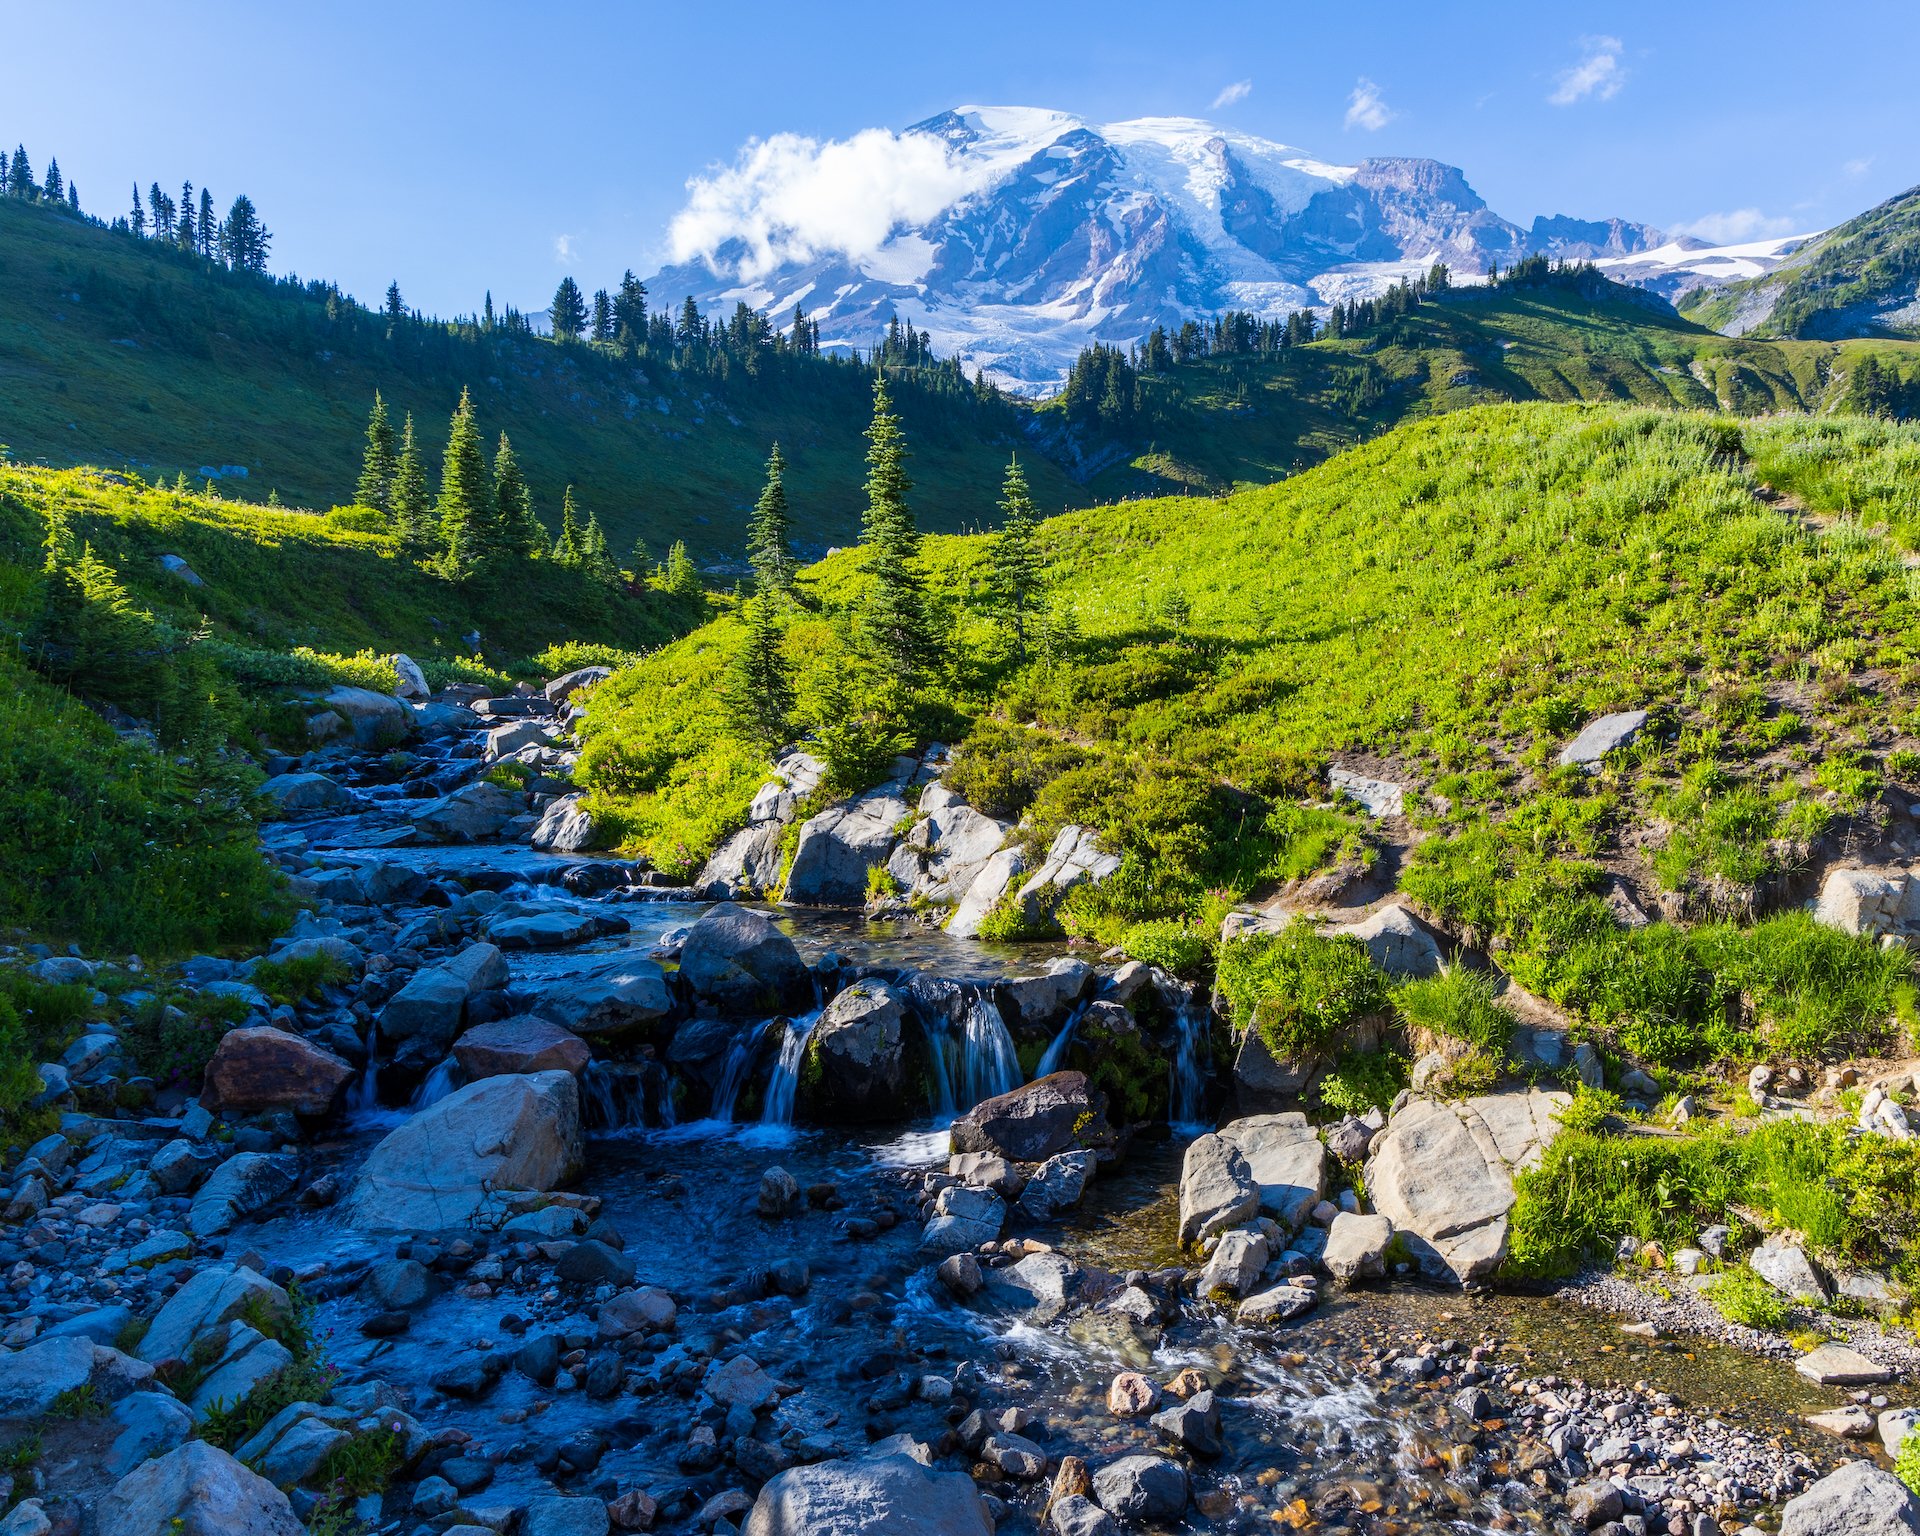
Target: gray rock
[(151, 1423), (1217, 1188), (880, 1496), (963, 1218), (1785, 1266), (378, 719), (33, 1376), (1077, 1515), (1357, 1246), (1142, 1488), (994, 878), (399, 1285), (747, 863), (858, 1051), (1377, 797), (1039, 1004), (247, 1358), (1057, 1185), (1857, 1500), (1287, 1160), (605, 999), (456, 1161), (306, 794), (1280, 1305), (566, 826), (1895, 1425), (1060, 1112), (1235, 1264), (741, 1383), (1073, 858), (1835, 1365), (578, 1516), (1398, 942), (195, 1490), (837, 847), (524, 1043), (210, 1298), (470, 814), (738, 960), (243, 1184), (568, 683), (1044, 1285), (1194, 1425), (1599, 737)]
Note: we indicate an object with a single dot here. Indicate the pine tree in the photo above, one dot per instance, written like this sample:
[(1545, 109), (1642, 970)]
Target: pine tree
[(486, 313), (20, 173), (596, 559), (768, 532), (759, 697), (602, 315), (56, 190), (525, 534), (1018, 575), (162, 207), (642, 559), (138, 221), (466, 512), (377, 464), (183, 231), (396, 310), (73, 196), (567, 548), (412, 515), (679, 577), (896, 619), (630, 310), (243, 238), (210, 229), (568, 312)]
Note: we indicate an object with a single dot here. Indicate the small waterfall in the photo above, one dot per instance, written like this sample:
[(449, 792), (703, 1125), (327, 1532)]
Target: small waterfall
[(989, 1065), (785, 1082), (940, 1056), (1186, 1104), (364, 1094), (436, 1085), (1057, 1051), (613, 1099), (737, 1069)]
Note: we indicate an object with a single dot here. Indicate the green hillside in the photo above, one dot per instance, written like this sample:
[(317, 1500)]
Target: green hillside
[(1443, 607), (1234, 420), (1861, 278), (121, 353)]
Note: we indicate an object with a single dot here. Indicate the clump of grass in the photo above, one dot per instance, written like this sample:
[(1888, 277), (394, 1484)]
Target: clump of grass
[(1362, 1080), (82, 1402), (1458, 1004), (1299, 987), (300, 976), (1172, 945), (1741, 1296)]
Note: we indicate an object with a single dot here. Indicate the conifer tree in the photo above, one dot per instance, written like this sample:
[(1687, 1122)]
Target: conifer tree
[(396, 309), (759, 697), (630, 310), (138, 221), (596, 559), (162, 207), (73, 195), (523, 530), (210, 230), (642, 559), (20, 173), (568, 312), (377, 463), (1018, 575), (466, 512), (56, 190), (183, 231), (602, 315), (768, 532), (679, 576), (412, 516), (895, 616), (567, 548), (486, 313)]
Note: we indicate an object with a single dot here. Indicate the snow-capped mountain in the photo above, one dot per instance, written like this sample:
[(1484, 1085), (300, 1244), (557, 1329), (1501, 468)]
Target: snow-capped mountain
[(1015, 235)]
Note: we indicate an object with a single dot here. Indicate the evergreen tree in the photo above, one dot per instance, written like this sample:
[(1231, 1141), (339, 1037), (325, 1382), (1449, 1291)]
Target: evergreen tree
[(759, 697), (1019, 577), (630, 310), (20, 173), (486, 314), (138, 222), (768, 531), (56, 190), (183, 230), (243, 238), (567, 548), (524, 533), (210, 231), (896, 618), (377, 463), (642, 559), (412, 515), (468, 518), (602, 315), (680, 578), (73, 196), (396, 310), (596, 559), (162, 207), (568, 312)]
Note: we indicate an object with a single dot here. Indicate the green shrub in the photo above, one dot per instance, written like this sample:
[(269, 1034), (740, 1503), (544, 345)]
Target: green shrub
[(1591, 1111), (1362, 1080), (358, 519), (300, 976), (1906, 1466), (1001, 767), (1459, 1004), (1299, 987), (571, 655), (1171, 945), (1741, 1296), (172, 1038)]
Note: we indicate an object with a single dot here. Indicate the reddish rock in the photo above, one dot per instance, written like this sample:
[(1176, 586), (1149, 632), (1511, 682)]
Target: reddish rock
[(267, 1068), (524, 1043)]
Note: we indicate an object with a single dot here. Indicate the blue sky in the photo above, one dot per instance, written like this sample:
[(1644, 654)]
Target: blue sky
[(458, 147)]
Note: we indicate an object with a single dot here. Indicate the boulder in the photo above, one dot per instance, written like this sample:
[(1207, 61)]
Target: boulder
[(1784, 1265), (1235, 1264), (1398, 942), (1287, 1160), (378, 719), (430, 1006), (195, 1490), (437, 720), (1857, 1500), (877, 1496), (740, 961), (1835, 1365), (858, 1061), (566, 826), (647, 1310), (746, 864), (1217, 1188), (1599, 737), (838, 847), (1443, 1175), (1861, 901), (1281, 1304), (243, 1184), (958, 842), (505, 740), (32, 1377), (543, 925), (559, 689), (1144, 1488), (1044, 1285), (454, 1162), (410, 682), (1060, 1112), (177, 567), (470, 814), (1040, 1004), (151, 1423), (211, 1297), (1377, 797), (522, 1044), (306, 794), (606, 999), (963, 1219), (991, 882), (1057, 1185), (1357, 1247), (1073, 858), (565, 1515), (244, 1359), (263, 1068)]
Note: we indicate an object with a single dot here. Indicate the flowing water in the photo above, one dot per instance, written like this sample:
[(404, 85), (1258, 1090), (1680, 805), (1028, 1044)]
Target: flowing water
[(1056, 1052), (785, 1082), (1187, 1101)]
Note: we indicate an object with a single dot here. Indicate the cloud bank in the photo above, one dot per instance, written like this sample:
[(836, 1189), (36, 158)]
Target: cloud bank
[(1366, 108), (794, 198), (1736, 226)]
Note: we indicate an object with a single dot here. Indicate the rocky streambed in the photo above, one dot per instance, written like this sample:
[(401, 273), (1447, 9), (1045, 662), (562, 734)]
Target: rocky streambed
[(567, 1203)]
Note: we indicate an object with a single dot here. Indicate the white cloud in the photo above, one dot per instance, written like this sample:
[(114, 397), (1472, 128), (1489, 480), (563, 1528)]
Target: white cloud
[(1240, 90), (1598, 74), (1366, 109), (793, 198), (1736, 226), (1858, 167), (563, 248)]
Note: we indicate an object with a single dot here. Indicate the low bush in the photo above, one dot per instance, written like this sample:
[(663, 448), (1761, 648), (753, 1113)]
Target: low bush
[(1172, 945), (300, 976), (171, 1038), (1299, 987), (1360, 1081), (1741, 1296)]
